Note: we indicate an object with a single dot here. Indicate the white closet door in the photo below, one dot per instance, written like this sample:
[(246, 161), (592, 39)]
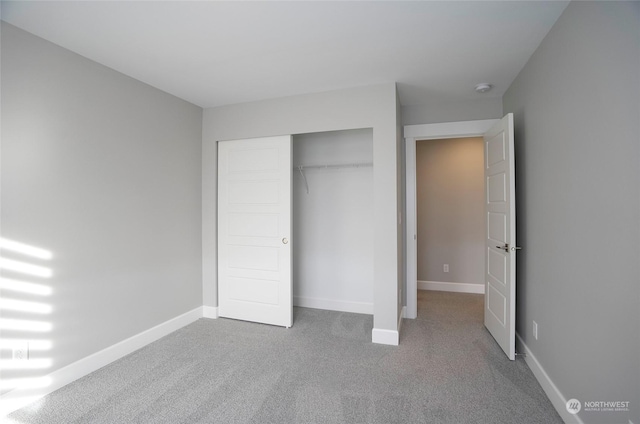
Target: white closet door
[(254, 230), (500, 256)]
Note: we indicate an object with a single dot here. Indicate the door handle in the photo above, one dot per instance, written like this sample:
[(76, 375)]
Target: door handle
[(506, 247)]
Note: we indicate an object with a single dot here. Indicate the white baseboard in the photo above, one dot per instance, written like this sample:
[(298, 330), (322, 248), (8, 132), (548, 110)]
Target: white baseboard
[(210, 312), (22, 396), (451, 287), (553, 393), (333, 305), (387, 337)]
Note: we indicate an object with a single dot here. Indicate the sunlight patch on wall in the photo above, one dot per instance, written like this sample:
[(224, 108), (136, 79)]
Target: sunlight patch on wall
[(24, 325), (31, 364), (24, 287), (25, 249), (25, 361), (25, 268), (20, 305)]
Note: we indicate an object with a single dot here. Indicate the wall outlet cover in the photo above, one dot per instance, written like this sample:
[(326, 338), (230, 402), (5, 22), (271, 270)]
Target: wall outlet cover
[(20, 351)]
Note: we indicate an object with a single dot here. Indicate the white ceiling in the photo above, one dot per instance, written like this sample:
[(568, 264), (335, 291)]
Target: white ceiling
[(214, 53)]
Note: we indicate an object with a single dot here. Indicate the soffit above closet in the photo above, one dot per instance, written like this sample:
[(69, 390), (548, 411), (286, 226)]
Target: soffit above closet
[(214, 53)]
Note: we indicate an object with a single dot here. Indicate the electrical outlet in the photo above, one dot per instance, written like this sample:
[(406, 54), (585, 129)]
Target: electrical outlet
[(20, 351), (446, 267), (535, 330)]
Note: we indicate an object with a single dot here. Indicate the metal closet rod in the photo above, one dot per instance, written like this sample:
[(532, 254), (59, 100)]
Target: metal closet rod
[(301, 169), (334, 166)]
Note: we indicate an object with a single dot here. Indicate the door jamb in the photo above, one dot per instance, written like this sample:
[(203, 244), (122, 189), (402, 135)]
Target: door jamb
[(413, 133)]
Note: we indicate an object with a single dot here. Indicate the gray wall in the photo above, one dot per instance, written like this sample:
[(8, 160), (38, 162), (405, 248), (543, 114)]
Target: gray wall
[(450, 206), (365, 107), (438, 111), (333, 222), (577, 120), (104, 172)]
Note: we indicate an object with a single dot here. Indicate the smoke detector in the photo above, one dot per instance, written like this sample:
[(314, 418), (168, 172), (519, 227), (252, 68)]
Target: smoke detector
[(483, 88)]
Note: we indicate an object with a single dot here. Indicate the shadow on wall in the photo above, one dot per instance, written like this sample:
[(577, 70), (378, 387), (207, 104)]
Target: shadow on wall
[(24, 327)]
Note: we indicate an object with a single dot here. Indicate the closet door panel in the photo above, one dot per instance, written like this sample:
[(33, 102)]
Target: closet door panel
[(254, 230)]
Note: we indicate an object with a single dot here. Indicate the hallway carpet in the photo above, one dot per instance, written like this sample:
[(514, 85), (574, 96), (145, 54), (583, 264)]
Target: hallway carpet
[(324, 369)]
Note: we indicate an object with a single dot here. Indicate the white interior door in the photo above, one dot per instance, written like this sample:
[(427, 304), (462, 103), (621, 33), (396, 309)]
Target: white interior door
[(254, 230), (500, 272)]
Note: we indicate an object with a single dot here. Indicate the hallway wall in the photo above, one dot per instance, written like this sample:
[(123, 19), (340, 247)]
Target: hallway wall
[(450, 210)]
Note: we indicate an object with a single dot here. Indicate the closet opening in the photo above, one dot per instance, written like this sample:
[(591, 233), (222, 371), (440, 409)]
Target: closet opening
[(333, 220)]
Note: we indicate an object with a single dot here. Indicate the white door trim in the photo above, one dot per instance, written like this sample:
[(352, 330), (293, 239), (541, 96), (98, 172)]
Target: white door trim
[(413, 133)]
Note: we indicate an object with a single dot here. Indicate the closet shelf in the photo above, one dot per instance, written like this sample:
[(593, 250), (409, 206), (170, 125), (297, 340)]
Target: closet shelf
[(301, 169)]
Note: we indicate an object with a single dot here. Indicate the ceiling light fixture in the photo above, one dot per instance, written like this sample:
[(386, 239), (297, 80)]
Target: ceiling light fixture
[(483, 88)]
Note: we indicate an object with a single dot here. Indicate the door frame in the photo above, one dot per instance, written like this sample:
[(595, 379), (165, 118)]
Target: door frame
[(413, 133)]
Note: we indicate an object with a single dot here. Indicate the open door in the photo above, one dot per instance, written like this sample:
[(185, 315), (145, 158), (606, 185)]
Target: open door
[(500, 249), (254, 230)]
